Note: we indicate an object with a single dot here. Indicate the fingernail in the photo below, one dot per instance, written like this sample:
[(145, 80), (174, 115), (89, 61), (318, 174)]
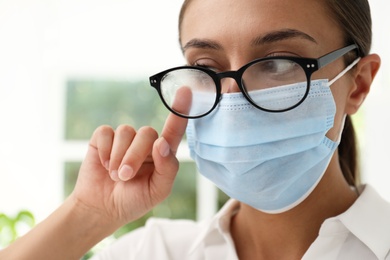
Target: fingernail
[(164, 148), (126, 173), (114, 175)]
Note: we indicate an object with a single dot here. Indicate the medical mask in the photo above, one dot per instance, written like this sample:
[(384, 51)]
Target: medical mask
[(270, 161)]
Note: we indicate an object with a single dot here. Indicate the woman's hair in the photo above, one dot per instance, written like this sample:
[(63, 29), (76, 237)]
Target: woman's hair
[(354, 19)]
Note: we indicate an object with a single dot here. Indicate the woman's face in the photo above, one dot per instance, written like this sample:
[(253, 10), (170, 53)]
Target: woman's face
[(226, 34)]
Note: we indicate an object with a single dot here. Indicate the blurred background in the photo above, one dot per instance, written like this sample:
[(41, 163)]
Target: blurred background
[(68, 66)]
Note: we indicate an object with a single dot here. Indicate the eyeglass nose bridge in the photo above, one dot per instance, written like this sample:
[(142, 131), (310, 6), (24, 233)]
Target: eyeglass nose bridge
[(236, 75)]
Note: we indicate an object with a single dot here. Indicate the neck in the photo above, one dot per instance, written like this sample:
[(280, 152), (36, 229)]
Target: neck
[(258, 235)]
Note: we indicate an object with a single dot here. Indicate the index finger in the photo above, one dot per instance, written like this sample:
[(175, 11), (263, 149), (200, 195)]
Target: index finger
[(175, 126)]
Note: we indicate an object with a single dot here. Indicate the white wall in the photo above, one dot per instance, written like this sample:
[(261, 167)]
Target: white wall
[(42, 42), (376, 140)]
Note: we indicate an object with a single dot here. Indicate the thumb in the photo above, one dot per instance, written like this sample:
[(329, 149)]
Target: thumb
[(173, 131), (166, 167)]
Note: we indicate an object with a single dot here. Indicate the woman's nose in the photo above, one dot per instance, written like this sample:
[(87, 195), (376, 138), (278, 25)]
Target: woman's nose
[(229, 85)]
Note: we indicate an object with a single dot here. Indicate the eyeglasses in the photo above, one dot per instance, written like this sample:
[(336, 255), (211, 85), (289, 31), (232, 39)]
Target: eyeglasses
[(193, 92)]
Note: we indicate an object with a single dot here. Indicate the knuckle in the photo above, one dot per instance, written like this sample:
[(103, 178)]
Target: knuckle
[(175, 166), (149, 131), (125, 129), (169, 168), (103, 130)]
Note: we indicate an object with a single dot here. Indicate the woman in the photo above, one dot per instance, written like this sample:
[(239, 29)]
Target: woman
[(270, 141)]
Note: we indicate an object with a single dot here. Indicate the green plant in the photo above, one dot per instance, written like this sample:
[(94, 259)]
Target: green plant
[(12, 227)]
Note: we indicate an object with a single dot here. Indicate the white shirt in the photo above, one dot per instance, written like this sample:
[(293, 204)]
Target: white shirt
[(362, 232)]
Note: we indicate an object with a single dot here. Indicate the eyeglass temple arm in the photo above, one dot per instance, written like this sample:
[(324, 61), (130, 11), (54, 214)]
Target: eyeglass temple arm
[(328, 58)]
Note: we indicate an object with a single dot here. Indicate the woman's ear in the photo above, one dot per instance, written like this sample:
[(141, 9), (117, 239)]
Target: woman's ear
[(363, 77)]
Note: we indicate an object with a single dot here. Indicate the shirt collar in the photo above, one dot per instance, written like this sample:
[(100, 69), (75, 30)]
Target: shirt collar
[(368, 220), (220, 223)]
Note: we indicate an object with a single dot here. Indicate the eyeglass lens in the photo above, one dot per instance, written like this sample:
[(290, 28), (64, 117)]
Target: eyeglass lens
[(189, 92)]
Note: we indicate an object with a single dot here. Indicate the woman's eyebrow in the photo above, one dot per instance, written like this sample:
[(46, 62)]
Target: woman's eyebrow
[(270, 37), (201, 44), (280, 35)]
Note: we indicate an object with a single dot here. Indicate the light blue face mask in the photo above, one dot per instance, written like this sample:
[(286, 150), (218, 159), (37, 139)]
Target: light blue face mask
[(270, 161)]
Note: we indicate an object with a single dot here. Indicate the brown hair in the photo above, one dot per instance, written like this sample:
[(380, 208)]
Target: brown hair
[(183, 9), (354, 19)]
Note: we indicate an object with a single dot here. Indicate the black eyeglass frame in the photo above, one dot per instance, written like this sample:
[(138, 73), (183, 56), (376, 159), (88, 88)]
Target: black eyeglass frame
[(309, 65)]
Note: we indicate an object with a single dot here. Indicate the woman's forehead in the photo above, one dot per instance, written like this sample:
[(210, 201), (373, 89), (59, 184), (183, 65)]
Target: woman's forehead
[(247, 19)]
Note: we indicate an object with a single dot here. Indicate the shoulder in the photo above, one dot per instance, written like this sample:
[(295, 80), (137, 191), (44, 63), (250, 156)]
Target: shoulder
[(361, 232), (369, 208), (369, 220)]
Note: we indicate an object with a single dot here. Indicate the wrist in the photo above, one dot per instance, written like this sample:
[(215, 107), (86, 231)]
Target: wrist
[(96, 222)]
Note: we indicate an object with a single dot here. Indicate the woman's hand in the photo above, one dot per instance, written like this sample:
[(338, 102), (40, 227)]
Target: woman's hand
[(124, 175), (127, 172)]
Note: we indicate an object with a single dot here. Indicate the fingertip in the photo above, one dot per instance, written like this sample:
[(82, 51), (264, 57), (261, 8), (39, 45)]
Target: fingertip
[(114, 175)]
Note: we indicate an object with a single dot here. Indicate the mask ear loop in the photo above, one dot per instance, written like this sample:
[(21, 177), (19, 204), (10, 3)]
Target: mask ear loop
[(342, 73), (341, 129)]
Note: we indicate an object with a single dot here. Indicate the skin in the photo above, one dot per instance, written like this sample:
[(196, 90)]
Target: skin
[(127, 172), (225, 41)]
